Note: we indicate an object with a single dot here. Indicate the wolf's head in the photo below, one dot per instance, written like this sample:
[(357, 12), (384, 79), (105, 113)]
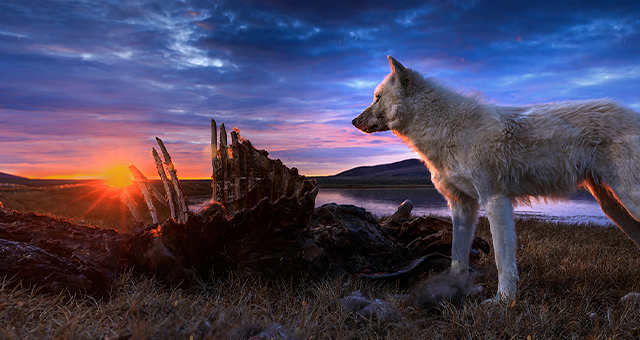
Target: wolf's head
[(387, 101)]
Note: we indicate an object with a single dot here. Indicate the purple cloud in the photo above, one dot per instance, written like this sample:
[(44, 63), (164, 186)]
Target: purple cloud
[(82, 78)]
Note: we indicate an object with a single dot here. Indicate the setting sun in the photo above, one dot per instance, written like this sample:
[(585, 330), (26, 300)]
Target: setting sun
[(118, 177)]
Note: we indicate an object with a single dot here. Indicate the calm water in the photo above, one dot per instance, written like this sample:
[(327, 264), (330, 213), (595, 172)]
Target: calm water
[(581, 208)]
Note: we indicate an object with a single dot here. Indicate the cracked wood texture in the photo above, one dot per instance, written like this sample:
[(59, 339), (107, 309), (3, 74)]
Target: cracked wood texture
[(244, 175)]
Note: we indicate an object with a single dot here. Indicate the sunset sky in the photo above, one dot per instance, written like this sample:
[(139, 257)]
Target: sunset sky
[(86, 86)]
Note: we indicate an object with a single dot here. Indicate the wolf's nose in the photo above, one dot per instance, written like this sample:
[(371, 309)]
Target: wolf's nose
[(353, 122)]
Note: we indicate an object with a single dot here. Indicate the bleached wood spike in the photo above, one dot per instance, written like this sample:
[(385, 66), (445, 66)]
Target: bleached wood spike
[(165, 182), (234, 137), (142, 183), (154, 191), (157, 194), (214, 154), (174, 180), (223, 136), (131, 205), (214, 141)]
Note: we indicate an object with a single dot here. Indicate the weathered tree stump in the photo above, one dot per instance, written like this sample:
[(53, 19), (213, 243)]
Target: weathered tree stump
[(263, 221)]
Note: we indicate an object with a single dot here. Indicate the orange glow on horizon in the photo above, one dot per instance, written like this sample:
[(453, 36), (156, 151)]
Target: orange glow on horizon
[(118, 177)]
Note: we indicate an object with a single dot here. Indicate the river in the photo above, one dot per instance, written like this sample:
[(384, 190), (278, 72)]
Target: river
[(580, 208)]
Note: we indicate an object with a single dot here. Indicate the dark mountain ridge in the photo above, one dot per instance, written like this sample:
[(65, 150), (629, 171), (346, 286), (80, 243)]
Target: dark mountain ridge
[(407, 168), (6, 175)]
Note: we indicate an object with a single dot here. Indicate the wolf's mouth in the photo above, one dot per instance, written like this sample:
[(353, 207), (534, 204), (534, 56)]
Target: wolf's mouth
[(370, 128), (365, 128)]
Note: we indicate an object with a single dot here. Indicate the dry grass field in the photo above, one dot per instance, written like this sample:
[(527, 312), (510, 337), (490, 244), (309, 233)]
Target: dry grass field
[(572, 278), (86, 202)]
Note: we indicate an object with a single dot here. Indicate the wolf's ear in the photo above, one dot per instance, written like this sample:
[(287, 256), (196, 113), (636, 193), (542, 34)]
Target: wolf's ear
[(397, 68)]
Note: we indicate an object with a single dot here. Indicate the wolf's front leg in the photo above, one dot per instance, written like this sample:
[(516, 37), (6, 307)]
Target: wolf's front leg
[(500, 214), (464, 215)]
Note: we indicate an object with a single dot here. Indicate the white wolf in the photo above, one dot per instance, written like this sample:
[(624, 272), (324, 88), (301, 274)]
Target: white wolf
[(490, 155)]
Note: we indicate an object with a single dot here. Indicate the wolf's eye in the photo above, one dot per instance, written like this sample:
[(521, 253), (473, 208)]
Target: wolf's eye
[(377, 98)]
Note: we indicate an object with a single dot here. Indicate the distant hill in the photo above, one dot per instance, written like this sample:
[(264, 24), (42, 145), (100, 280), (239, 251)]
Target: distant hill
[(407, 168), (410, 173), (5, 175)]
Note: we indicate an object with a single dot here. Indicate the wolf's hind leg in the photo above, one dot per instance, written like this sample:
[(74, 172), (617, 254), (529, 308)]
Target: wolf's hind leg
[(620, 209), (464, 215)]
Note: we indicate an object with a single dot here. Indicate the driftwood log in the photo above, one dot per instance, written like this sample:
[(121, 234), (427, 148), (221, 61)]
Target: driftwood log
[(55, 255), (262, 220)]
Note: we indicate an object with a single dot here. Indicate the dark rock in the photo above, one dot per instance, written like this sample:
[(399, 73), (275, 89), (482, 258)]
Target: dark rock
[(354, 302), (376, 309), (443, 286), (274, 332), (403, 211)]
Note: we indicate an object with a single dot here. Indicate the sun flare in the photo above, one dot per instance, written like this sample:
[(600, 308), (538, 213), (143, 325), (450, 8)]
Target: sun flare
[(118, 177)]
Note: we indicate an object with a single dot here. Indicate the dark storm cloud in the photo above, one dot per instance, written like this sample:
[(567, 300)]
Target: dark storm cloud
[(290, 74)]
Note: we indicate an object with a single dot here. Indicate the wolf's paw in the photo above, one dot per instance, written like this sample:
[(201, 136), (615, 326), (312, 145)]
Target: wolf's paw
[(495, 301), (501, 299)]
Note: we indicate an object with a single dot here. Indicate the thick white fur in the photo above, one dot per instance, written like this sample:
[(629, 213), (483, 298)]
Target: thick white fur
[(490, 155)]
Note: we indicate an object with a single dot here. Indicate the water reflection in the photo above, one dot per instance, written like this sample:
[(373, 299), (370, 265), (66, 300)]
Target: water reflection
[(580, 208)]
